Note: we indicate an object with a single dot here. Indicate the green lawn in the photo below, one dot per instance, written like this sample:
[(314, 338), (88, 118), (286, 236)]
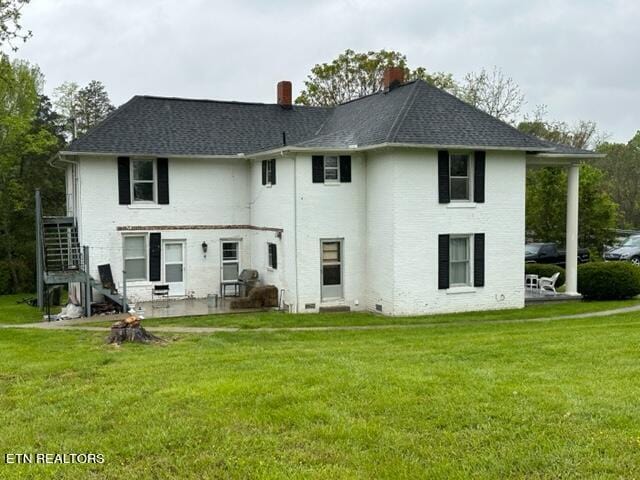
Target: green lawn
[(12, 312), (524, 400), (278, 319)]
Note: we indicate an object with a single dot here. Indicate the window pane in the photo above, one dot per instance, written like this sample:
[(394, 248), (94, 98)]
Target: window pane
[(331, 275), (331, 252), (134, 247), (136, 269), (230, 251), (230, 271), (459, 165), (143, 192), (331, 174), (173, 273), (173, 253), (459, 189), (458, 272), (143, 169), (331, 162), (458, 249)]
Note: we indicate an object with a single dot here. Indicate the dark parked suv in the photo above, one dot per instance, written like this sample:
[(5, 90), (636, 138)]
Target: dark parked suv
[(629, 251)]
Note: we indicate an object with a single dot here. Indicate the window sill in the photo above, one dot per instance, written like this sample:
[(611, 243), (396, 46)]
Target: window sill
[(461, 205), (144, 206), (332, 184), (463, 289)]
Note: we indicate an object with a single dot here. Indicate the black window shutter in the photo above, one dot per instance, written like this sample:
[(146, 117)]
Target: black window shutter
[(272, 180), (443, 261), (318, 168), (444, 195), (274, 255), (345, 169), (264, 172), (124, 181), (478, 260), (479, 160), (154, 257), (162, 166)]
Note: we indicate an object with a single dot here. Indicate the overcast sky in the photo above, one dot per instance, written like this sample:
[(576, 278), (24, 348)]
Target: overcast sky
[(580, 58)]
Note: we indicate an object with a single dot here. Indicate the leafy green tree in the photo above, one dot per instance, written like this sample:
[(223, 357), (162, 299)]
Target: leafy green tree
[(622, 168), (25, 146), (352, 75), (85, 107), (10, 26)]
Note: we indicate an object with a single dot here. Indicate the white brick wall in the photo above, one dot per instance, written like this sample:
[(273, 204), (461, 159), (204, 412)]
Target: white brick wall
[(388, 216)]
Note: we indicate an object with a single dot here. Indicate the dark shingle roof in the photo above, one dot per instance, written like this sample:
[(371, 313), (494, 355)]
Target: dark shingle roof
[(175, 126), (414, 113)]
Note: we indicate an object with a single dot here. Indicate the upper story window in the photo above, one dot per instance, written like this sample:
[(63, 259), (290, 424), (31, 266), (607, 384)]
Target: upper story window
[(143, 180), (331, 170), (460, 176), (269, 172)]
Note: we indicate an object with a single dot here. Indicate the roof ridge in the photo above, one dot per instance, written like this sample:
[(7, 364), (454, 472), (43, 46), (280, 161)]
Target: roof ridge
[(379, 92), (406, 106), (213, 100)]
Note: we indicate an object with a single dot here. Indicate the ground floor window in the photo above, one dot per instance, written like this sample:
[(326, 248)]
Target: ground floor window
[(135, 257), (272, 252), (460, 260), (230, 261)]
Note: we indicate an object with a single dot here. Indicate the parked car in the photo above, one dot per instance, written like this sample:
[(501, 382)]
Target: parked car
[(628, 251), (550, 253)]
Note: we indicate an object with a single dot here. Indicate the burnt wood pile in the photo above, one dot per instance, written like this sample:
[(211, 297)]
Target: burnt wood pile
[(130, 330)]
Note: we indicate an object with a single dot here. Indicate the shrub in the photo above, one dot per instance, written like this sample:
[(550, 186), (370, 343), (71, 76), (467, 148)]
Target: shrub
[(545, 270), (608, 280)]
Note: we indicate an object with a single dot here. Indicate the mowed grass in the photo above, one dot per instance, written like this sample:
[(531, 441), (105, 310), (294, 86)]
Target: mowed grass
[(279, 319), (14, 311), (524, 400)]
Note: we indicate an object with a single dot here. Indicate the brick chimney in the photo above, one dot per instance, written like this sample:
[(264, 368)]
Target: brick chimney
[(393, 76), (284, 94)]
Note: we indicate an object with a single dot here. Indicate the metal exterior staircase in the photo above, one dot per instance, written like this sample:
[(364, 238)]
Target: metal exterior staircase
[(62, 252), (115, 297)]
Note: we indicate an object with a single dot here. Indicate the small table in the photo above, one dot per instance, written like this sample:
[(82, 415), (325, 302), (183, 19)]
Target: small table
[(532, 281), (224, 285)]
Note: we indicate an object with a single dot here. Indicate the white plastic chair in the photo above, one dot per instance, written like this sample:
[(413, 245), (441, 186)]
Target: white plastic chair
[(548, 284)]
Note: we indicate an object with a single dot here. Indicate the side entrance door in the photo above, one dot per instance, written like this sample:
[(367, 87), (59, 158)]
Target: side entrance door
[(174, 267), (331, 271)]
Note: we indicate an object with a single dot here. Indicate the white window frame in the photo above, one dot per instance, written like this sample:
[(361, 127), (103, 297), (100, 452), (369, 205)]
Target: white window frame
[(133, 181), (325, 168), (269, 258), (270, 167), (468, 177), (469, 260), (146, 256), (224, 262)]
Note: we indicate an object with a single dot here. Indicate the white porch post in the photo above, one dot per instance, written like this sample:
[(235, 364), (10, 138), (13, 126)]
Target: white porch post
[(572, 229)]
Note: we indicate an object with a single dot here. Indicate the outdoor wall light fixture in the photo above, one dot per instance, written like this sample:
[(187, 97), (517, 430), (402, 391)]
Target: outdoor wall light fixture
[(204, 248)]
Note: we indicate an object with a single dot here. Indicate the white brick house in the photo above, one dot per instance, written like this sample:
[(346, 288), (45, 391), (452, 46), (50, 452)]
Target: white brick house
[(407, 201)]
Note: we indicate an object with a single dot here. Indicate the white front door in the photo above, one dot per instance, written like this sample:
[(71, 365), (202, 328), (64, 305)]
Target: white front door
[(174, 267)]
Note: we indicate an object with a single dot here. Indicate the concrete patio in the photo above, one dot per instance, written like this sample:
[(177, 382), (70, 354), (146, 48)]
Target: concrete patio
[(187, 307)]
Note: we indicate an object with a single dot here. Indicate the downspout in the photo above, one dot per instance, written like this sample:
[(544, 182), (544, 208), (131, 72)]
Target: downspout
[(295, 225)]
